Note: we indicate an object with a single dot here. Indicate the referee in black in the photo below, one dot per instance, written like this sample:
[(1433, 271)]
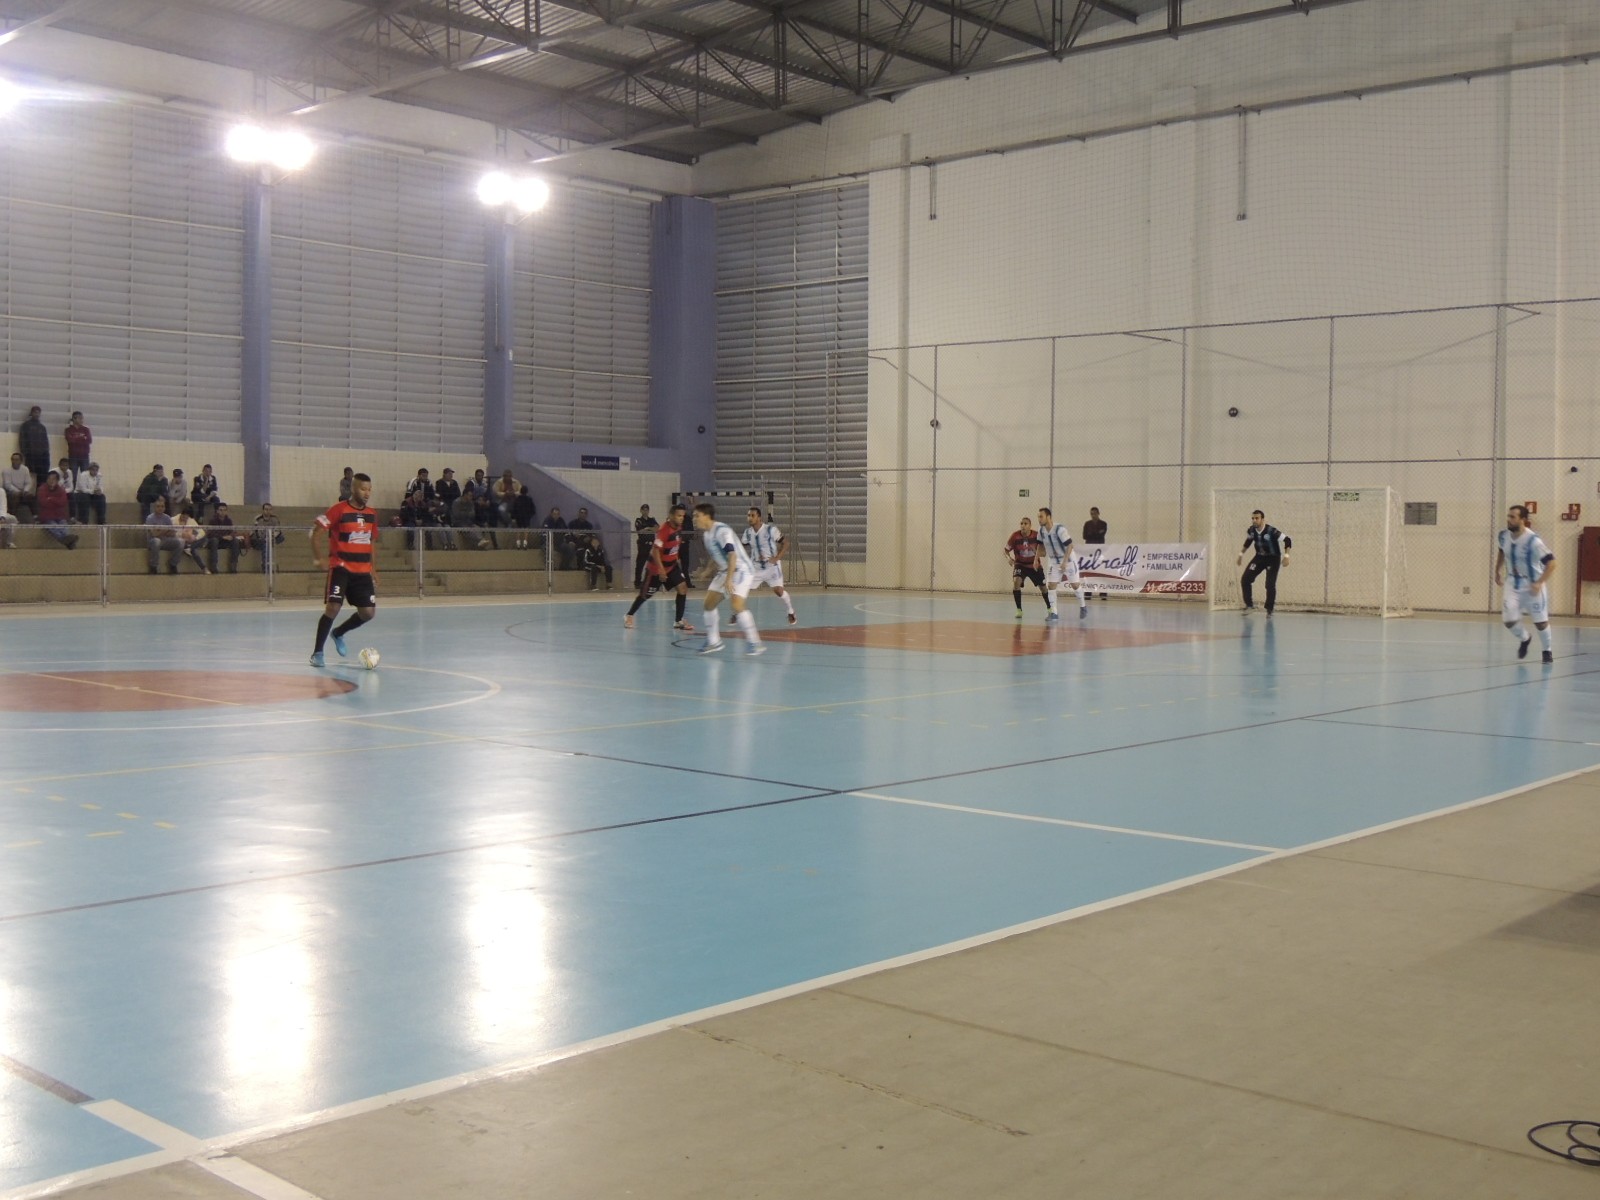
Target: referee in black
[(644, 535), (1271, 552)]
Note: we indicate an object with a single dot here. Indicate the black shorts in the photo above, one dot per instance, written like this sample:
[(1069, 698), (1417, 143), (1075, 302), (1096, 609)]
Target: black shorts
[(1032, 574), (656, 583), (355, 588)]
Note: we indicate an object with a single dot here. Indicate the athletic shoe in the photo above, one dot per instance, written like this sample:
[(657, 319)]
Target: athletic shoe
[(1052, 615), (793, 619), (683, 625), (316, 659), (627, 622), (1082, 613), (1019, 614), (710, 648), (1522, 646), (338, 644), (755, 648), (1549, 657)]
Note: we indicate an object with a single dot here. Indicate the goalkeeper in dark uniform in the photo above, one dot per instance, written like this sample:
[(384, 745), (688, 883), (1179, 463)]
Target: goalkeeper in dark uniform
[(1271, 547)]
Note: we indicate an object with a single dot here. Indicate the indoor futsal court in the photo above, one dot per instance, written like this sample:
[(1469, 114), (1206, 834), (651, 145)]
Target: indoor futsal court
[(240, 892)]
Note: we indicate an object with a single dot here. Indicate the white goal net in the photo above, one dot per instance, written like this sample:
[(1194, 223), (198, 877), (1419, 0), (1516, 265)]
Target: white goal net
[(1348, 552)]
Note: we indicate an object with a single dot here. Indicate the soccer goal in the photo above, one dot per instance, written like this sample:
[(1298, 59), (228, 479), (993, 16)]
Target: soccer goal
[(1348, 556)]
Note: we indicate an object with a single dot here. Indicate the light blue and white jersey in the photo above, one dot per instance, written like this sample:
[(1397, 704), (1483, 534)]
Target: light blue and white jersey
[(1526, 555), (1056, 541), (762, 544), (719, 536)]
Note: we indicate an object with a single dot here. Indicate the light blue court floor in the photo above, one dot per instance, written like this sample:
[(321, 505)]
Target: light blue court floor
[(237, 890)]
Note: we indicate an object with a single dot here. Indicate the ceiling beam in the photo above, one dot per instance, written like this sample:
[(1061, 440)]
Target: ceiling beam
[(44, 20), (1037, 40)]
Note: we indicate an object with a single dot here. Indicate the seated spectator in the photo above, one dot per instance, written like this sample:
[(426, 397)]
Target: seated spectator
[(89, 496), (478, 483), (79, 439), (177, 493), (192, 534), (485, 517), (416, 509), (522, 513), (222, 534), (461, 520), (161, 536), (447, 491), (53, 503), (505, 495), (348, 482), (8, 525), (577, 542), (19, 488), (596, 563), (267, 535), (69, 477), (553, 543), (204, 493), (151, 486)]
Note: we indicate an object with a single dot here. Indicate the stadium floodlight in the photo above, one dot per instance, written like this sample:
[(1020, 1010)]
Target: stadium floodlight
[(10, 97), (517, 194), (285, 149), (529, 194), (494, 189)]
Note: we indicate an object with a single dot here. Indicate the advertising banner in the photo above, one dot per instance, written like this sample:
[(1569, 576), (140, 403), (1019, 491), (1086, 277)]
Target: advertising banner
[(1151, 568)]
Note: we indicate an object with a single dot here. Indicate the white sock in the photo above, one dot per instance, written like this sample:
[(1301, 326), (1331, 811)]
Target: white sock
[(787, 603), (1544, 637), (713, 626), (1081, 601), (1519, 631), (746, 621)]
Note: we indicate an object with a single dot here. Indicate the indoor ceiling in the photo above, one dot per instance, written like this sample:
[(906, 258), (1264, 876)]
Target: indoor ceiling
[(674, 79)]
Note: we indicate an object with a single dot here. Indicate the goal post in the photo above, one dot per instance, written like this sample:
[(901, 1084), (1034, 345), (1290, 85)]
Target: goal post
[(1348, 552)]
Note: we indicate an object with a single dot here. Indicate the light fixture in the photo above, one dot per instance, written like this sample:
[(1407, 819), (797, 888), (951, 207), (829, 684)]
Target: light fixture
[(523, 193), (285, 149), (10, 96)]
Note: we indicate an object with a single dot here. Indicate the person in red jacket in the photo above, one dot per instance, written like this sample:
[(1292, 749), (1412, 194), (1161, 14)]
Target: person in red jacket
[(79, 439), (53, 501)]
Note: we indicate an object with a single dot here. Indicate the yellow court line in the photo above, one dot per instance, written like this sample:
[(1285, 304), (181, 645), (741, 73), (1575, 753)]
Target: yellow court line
[(123, 687)]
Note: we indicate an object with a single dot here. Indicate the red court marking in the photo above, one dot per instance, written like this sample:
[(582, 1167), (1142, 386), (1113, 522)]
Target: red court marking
[(152, 691), (983, 637)]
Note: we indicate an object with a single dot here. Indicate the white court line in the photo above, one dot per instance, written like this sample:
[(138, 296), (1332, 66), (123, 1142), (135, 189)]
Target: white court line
[(1011, 816), (544, 1058)]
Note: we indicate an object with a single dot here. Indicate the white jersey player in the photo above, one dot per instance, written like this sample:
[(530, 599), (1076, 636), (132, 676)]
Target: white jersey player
[(1523, 566), (1060, 565), (765, 544), (735, 577)]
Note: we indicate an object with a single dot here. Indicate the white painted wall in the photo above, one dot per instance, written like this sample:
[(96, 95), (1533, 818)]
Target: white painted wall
[(624, 491)]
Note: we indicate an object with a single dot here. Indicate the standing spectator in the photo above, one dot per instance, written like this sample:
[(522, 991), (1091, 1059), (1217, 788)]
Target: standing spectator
[(8, 525), (79, 439), (151, 488), (505, 495), (267, 534), (596, 563), (553, 544), (1094, 533), (161, 537), (222, 534), (53, 502), (177, 493), (522, 514), (644, 533), (18, 482), (192, 534), (204, 492), (89, 495), (347, 483), (33, 439)]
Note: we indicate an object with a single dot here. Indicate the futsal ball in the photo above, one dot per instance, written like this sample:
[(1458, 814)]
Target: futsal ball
[(369, 658)]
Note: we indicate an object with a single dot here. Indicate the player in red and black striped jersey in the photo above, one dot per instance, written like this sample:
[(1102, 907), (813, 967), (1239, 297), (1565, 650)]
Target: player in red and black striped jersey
[(1022, 552), (665, 570), (352, 532)]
